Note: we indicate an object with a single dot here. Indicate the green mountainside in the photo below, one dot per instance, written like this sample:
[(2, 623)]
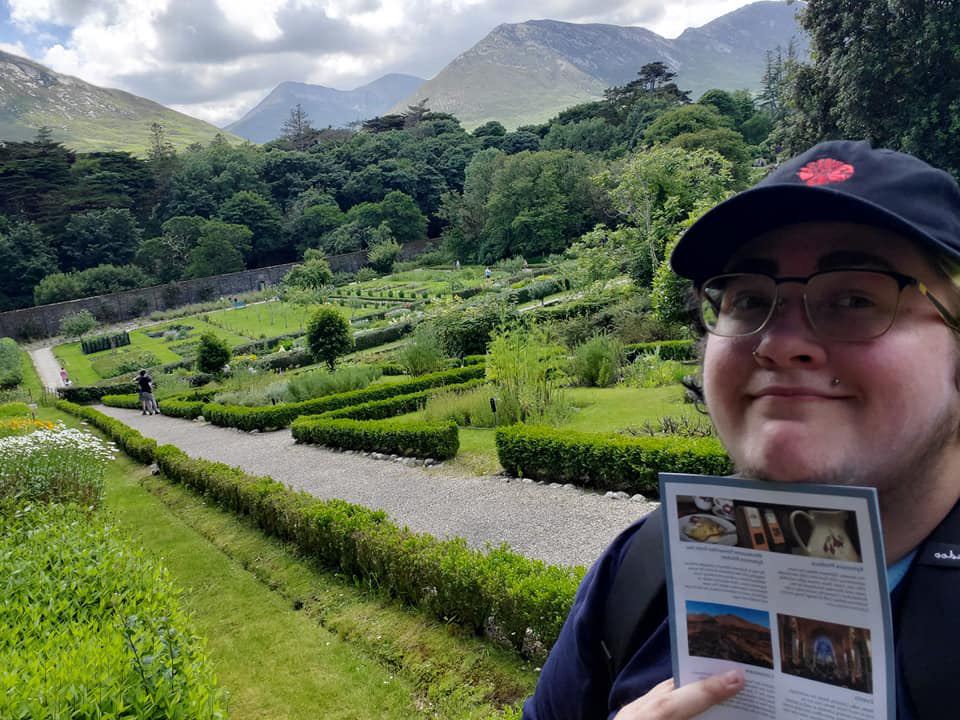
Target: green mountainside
[(85, 117), (526, 72)]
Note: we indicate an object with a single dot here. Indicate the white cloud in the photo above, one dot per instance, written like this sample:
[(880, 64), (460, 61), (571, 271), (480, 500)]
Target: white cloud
[(16, 48), (215, 59)]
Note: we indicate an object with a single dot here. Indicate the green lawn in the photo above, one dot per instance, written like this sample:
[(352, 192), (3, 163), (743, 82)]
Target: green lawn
[(595, 410), (262, 319), (289, 640), (82, 369)]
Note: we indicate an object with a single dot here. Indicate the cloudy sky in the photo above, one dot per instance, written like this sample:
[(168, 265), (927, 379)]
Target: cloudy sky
[(215, 59)]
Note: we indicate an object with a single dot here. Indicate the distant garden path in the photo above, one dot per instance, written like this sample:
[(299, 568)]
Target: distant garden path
[(47, 365), (561, 526)]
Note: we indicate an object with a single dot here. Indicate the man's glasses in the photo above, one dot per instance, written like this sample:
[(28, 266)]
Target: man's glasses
[(850, 305)]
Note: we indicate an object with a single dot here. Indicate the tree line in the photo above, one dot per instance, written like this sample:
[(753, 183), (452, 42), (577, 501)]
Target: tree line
[(603, 172)]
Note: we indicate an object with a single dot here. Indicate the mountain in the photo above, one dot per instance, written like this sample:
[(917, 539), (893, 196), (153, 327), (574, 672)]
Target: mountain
[(527, 72), (83, 116), (324, 106)]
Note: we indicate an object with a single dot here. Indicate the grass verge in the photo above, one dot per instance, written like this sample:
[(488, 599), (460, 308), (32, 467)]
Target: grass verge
[(291, 640)]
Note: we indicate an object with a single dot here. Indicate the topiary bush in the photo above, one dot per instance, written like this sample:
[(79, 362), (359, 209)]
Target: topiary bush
[(413, 440)]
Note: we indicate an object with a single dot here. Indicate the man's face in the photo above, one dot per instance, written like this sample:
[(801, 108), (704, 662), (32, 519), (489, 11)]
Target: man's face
[(893, 416)]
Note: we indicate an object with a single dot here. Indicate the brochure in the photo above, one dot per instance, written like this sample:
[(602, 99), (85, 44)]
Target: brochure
[(787, 582)]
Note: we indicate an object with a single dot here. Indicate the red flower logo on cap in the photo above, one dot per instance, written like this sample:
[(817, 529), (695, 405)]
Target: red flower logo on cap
[(827, 170)]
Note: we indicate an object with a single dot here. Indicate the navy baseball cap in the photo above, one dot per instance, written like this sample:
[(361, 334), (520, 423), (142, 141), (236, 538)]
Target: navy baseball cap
[(839, 180)]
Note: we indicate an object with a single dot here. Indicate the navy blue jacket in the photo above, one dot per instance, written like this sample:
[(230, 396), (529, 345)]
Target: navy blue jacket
[(574, 683)]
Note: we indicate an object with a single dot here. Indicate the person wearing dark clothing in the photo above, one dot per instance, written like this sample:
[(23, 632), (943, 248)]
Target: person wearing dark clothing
[(147, 402), (829, 293)]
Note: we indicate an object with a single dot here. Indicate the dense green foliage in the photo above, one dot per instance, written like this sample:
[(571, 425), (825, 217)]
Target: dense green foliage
[(328, 335), (89, 627), (212, 354), (885, 71), (11, 364), (605, 462), (517, 598)]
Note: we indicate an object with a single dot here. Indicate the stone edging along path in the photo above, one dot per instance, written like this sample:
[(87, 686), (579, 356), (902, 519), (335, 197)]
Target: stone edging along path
[(560, 525)]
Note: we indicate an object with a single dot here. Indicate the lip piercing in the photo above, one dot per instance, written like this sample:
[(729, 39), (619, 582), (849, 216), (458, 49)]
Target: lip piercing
[(835, 382)]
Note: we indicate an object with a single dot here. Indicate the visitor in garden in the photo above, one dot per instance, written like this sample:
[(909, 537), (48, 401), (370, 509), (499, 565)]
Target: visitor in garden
[(861, 391), (64, 378), (147, 402)]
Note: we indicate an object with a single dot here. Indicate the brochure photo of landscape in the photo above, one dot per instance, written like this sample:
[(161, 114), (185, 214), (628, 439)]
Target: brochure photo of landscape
[(813, 532), (728, 632), (826, 652), (340, 339)]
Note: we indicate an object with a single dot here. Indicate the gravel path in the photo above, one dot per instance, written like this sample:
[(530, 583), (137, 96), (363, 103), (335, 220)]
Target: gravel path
[(560, 525), (48, 367)]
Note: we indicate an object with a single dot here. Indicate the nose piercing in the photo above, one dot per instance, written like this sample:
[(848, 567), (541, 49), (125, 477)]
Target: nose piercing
[(835, 382), (756, 351)]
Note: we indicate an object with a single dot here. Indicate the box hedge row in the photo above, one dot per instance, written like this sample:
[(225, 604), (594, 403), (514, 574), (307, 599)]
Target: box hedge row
[(397, 405), (278, 416), (186, 409), (130, 440), (366, 339), (130, 402), (605, 461), (512, 596), (92, 393), (666, 349), (414, 440)]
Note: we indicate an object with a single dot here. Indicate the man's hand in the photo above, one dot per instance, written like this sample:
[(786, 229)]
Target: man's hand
[(665, 702)]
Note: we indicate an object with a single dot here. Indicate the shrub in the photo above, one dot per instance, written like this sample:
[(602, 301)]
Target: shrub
[(597, 362), (212, 354), (526, 367), (463, 407), (423, 353), (188, 409), (419, 440), (684, 350), (328, 335), (649, 371), (104, 342), (129, 402), (92, 393), (467, 330), (318, 383), (77, 324), (397, 405), (605, 461), (367, 339), (15, 409), (11, 364), (383, 255)]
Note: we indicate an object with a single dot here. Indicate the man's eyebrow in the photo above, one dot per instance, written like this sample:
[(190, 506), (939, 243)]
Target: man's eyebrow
[(852, 258)]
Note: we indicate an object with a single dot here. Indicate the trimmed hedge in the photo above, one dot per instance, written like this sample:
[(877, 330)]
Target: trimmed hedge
[(277, 416), (366, 339), (391, 407), (257, 347), (187, 409), (419, 440), (517, 598), (605, 461), (92, 393), (104, 342), (667, 349), (130, 402), (285, 360), (129, 440)]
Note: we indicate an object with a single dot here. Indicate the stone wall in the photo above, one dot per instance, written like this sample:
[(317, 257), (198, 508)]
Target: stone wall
[(44, 320)]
